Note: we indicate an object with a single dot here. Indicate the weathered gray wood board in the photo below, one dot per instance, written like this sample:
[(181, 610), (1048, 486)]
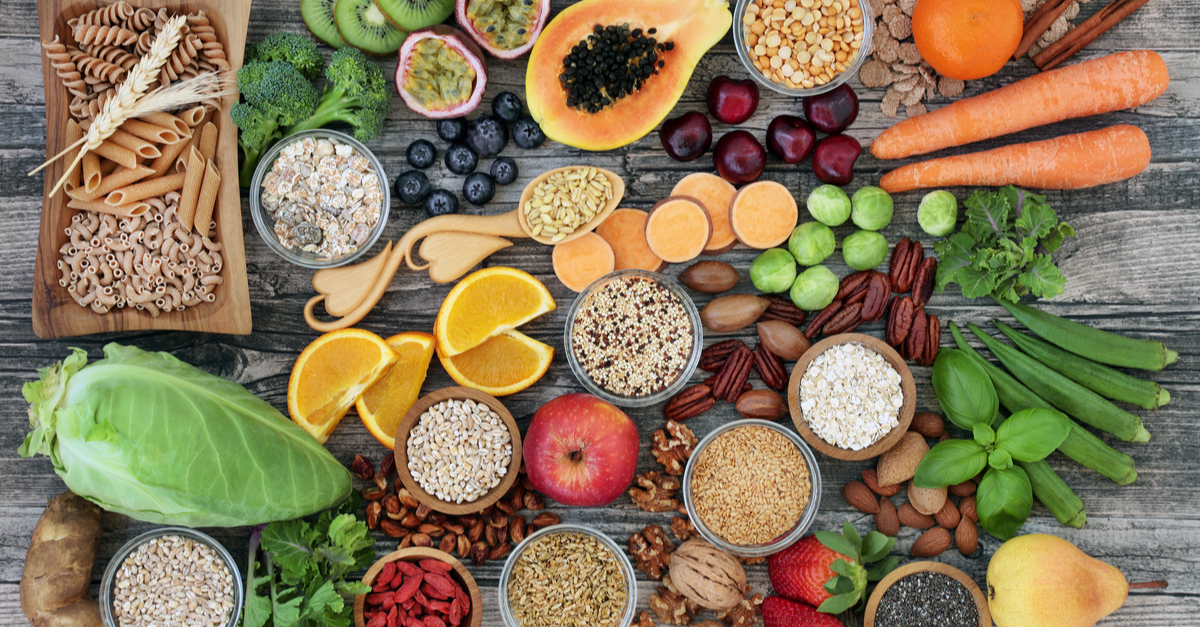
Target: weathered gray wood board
[(1134, 267)]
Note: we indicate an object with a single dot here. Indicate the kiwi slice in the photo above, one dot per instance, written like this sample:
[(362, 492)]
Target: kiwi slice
[(413, 14), (364, 26), (318, 17)]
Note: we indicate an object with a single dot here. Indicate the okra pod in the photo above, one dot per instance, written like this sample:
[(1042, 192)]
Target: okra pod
[(1096, 345), (1096, 377), (1055, 494), (1066, 395)]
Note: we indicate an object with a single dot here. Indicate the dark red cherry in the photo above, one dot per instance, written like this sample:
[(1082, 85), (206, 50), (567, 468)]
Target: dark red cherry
[(686, 137), (739, 157), (833, 160), (832, 112), (790, 138), (730, 101)]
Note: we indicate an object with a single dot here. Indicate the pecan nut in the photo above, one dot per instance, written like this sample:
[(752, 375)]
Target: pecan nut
[(857, 296), (905, 259), (783, 309), (770, 368), (734, 374), (689, 403), (922, 289), (933, 341), (879, 292), (899, 321), (914, 346), (846, 320), (713, 357), (818, 321), (711, 381), (852, 283)]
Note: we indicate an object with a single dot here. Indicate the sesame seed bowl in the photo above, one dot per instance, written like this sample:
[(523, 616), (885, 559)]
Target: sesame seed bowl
[(633, 338)]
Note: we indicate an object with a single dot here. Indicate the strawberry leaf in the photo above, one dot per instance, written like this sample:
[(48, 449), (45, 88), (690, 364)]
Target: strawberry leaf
[(880, 570), (840, 603), (837, 543), (839, 585), (851, 534), (842, 567), (876, 546)]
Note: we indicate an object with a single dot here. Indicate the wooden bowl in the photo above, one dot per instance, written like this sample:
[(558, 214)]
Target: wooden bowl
[(618, 185), (473, 618), (401, 451), (985, 616), (907, 387)]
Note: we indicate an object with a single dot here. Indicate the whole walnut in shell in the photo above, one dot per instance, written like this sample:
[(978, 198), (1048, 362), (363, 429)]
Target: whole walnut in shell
[(707, 575)]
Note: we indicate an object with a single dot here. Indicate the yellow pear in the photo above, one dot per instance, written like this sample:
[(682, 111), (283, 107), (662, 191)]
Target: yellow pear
[(1039, 580)]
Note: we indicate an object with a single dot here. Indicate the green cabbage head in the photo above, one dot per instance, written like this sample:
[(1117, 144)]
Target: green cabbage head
[(146, 435)]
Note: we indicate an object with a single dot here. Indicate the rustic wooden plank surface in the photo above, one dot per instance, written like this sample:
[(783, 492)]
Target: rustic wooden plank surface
[(1132, 268)]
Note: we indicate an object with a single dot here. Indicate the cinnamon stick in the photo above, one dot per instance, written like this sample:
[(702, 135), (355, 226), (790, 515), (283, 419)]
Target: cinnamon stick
[(1039, 23), (1086, 33)]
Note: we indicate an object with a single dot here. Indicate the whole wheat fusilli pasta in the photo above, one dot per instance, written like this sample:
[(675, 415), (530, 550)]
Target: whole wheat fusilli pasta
[(115, 55), (60, 59), (111, 15), (140, 20), (99, 35), (182, 59), (98, 68)]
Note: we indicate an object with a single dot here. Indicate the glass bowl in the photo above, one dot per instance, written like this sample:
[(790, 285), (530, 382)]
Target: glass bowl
[(782, 542), (618, 551), (108, 580), (739, 43), (266, 224), (676, 385)]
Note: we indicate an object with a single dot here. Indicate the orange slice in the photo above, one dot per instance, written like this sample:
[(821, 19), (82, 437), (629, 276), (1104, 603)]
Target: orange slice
[(382, 405), (485, 304), (502, 365), (331, 373)]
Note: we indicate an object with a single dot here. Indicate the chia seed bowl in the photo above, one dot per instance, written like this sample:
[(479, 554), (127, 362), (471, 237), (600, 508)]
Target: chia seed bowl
[(927, 594)]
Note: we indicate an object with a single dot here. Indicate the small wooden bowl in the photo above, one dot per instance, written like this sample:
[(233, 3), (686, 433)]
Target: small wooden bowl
[(985, 616), (907, 387), (415, 554), (618, 185), (401, 451)]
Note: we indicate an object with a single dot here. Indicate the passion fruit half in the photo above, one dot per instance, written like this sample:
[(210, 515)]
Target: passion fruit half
[(507, 29), (441, 73)]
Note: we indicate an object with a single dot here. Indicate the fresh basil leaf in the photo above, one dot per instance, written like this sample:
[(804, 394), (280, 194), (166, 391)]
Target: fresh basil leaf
[(964, 390), (839, 585), (851, 534), (984, 435), (1000, 459), (1003, 501), (876, 546), (1031, 434), (950, 462), (880, 570), (1043, 278), (836, 543), (839, 603), (987, 215), (954, 254)]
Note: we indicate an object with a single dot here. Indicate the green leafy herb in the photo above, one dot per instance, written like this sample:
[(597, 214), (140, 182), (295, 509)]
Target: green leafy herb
[(949, 463), (849, 586), (1004, 248), (1003, 501), (1032, 434), (964, 389)]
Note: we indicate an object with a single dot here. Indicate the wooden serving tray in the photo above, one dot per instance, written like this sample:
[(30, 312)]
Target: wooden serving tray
[(55, 313)]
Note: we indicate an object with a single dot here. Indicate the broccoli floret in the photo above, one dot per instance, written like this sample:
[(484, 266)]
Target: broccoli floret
[(298, 50), (274, 95), (358, 94)]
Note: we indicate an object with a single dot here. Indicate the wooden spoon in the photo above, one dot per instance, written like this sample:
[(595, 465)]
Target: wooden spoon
[(618, 187)]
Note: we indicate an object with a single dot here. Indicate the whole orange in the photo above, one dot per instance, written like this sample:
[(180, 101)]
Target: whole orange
[(967, 39)]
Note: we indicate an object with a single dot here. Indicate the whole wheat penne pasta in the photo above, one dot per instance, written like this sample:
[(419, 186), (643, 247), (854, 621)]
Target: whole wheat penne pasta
[(195, 116), (123, 156), (74, 134), (152, 132), (99, 206), (140, 147), (116, 180), (166, 120), (207, 199), (181, 161), (108, 167), (167, 159), (191, 188), (208, 141), (145, 189), (91, 171)]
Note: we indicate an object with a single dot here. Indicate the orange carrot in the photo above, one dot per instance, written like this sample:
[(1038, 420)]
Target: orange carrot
[(1118, 81), (1068, 162)]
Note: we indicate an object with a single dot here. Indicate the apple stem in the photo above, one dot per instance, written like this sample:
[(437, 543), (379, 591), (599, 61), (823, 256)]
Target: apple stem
[(1158, 583)]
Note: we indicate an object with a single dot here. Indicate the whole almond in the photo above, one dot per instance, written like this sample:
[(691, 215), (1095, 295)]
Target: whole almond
[(900, 462), (727, 314), (782, 339), (710, 277), (967, 508), (761, 404), (931, 543), (966, 488), (948, 516), (860, 497), (966, 536), (926, 500), (872, 481), (928, 424), (910, 517), (886, 521)]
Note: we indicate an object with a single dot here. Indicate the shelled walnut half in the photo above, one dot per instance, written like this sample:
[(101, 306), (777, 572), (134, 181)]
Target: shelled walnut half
[(655, 492), (673, 446), (651, 549)]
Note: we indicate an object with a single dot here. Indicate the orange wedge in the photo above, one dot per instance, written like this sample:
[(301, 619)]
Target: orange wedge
[(382, 405), (501, 365), (485, 304), (331, 373)]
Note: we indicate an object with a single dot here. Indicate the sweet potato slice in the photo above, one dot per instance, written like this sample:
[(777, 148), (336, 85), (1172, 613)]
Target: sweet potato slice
[(580, 261), (763, 214), (716, 194), (678, 229), (625, 231)]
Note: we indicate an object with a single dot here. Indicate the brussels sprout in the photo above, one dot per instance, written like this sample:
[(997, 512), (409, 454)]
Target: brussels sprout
[(872, 208), (938, 213), (811, 243), (864, 250), (814, 288), (773, 271), (829, 205)]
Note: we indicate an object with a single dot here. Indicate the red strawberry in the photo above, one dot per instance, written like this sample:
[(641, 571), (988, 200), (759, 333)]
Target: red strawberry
[(781, 612), (800, 571)]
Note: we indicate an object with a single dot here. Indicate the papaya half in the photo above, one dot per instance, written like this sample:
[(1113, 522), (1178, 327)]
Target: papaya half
[(683, 29)]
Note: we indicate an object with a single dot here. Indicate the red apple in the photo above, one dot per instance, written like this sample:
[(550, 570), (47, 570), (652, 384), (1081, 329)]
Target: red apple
[(581, 450)]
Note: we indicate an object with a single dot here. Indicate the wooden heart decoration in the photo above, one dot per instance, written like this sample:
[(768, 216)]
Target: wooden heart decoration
[(452, 254)]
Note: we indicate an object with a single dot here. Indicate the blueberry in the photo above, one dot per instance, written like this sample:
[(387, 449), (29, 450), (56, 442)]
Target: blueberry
[(440, 203), (412, 187), (487, 136), (421, 154), (507, 106), (527, 134), (479, 189), (461, 160), (504, 171), (452, 130)]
